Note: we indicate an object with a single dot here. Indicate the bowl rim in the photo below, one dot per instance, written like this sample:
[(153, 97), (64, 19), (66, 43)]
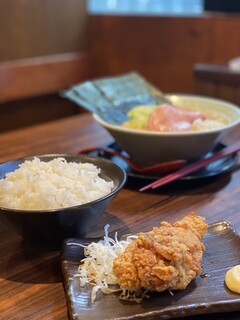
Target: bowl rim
[(72, 208), (230, 105)]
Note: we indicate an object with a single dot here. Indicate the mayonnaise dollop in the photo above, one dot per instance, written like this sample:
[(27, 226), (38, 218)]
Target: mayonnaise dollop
[(232, 279)]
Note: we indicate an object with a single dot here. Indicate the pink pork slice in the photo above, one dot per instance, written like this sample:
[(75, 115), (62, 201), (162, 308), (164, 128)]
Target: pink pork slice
[(168, 118)]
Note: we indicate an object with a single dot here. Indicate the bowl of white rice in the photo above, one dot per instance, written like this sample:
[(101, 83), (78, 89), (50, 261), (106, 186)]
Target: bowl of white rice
[(49, 198)]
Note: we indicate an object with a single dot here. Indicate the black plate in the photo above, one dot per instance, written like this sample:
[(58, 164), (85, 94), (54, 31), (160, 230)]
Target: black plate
[(206, 294), (211, 170)]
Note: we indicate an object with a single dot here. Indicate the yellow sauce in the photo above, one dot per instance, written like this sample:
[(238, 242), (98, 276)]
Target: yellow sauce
[(232, 279)]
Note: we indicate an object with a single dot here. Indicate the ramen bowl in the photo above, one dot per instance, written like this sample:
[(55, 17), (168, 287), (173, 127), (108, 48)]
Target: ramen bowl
[(150, 147)]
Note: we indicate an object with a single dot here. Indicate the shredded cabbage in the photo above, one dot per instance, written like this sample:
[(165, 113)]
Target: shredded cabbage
[(96, 268), (139, 117)]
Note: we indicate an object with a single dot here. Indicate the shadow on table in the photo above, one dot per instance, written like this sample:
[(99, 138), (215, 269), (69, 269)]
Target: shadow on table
[(187, 185), (26, 263)]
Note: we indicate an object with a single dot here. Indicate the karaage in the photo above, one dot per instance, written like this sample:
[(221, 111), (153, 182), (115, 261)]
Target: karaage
[(165, 258)]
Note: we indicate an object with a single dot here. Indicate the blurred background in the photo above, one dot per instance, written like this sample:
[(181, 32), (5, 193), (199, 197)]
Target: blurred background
[(181, 46)]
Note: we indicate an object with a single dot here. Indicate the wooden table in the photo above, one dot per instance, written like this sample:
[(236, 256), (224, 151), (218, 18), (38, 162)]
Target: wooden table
[(30, 278), (217, 80)]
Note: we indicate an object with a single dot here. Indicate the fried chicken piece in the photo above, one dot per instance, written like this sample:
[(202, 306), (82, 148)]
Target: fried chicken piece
[(165, 258)]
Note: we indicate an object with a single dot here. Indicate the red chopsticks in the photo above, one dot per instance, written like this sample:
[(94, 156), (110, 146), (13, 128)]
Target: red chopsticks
[(193, 167)]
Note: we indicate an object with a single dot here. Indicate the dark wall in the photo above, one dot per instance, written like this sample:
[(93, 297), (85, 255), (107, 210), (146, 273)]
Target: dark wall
[(230, 6)]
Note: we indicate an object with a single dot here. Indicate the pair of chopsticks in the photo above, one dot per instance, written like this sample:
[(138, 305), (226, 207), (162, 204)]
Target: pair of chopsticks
[(193, 167)]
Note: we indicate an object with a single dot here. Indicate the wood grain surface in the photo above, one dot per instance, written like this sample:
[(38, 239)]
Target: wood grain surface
[(30, 277), (30, 88), (32, 28), (217, 80), (26, 78), (163, 49)]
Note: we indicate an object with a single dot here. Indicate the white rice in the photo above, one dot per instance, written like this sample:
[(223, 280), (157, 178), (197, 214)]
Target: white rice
[(39, 185)]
